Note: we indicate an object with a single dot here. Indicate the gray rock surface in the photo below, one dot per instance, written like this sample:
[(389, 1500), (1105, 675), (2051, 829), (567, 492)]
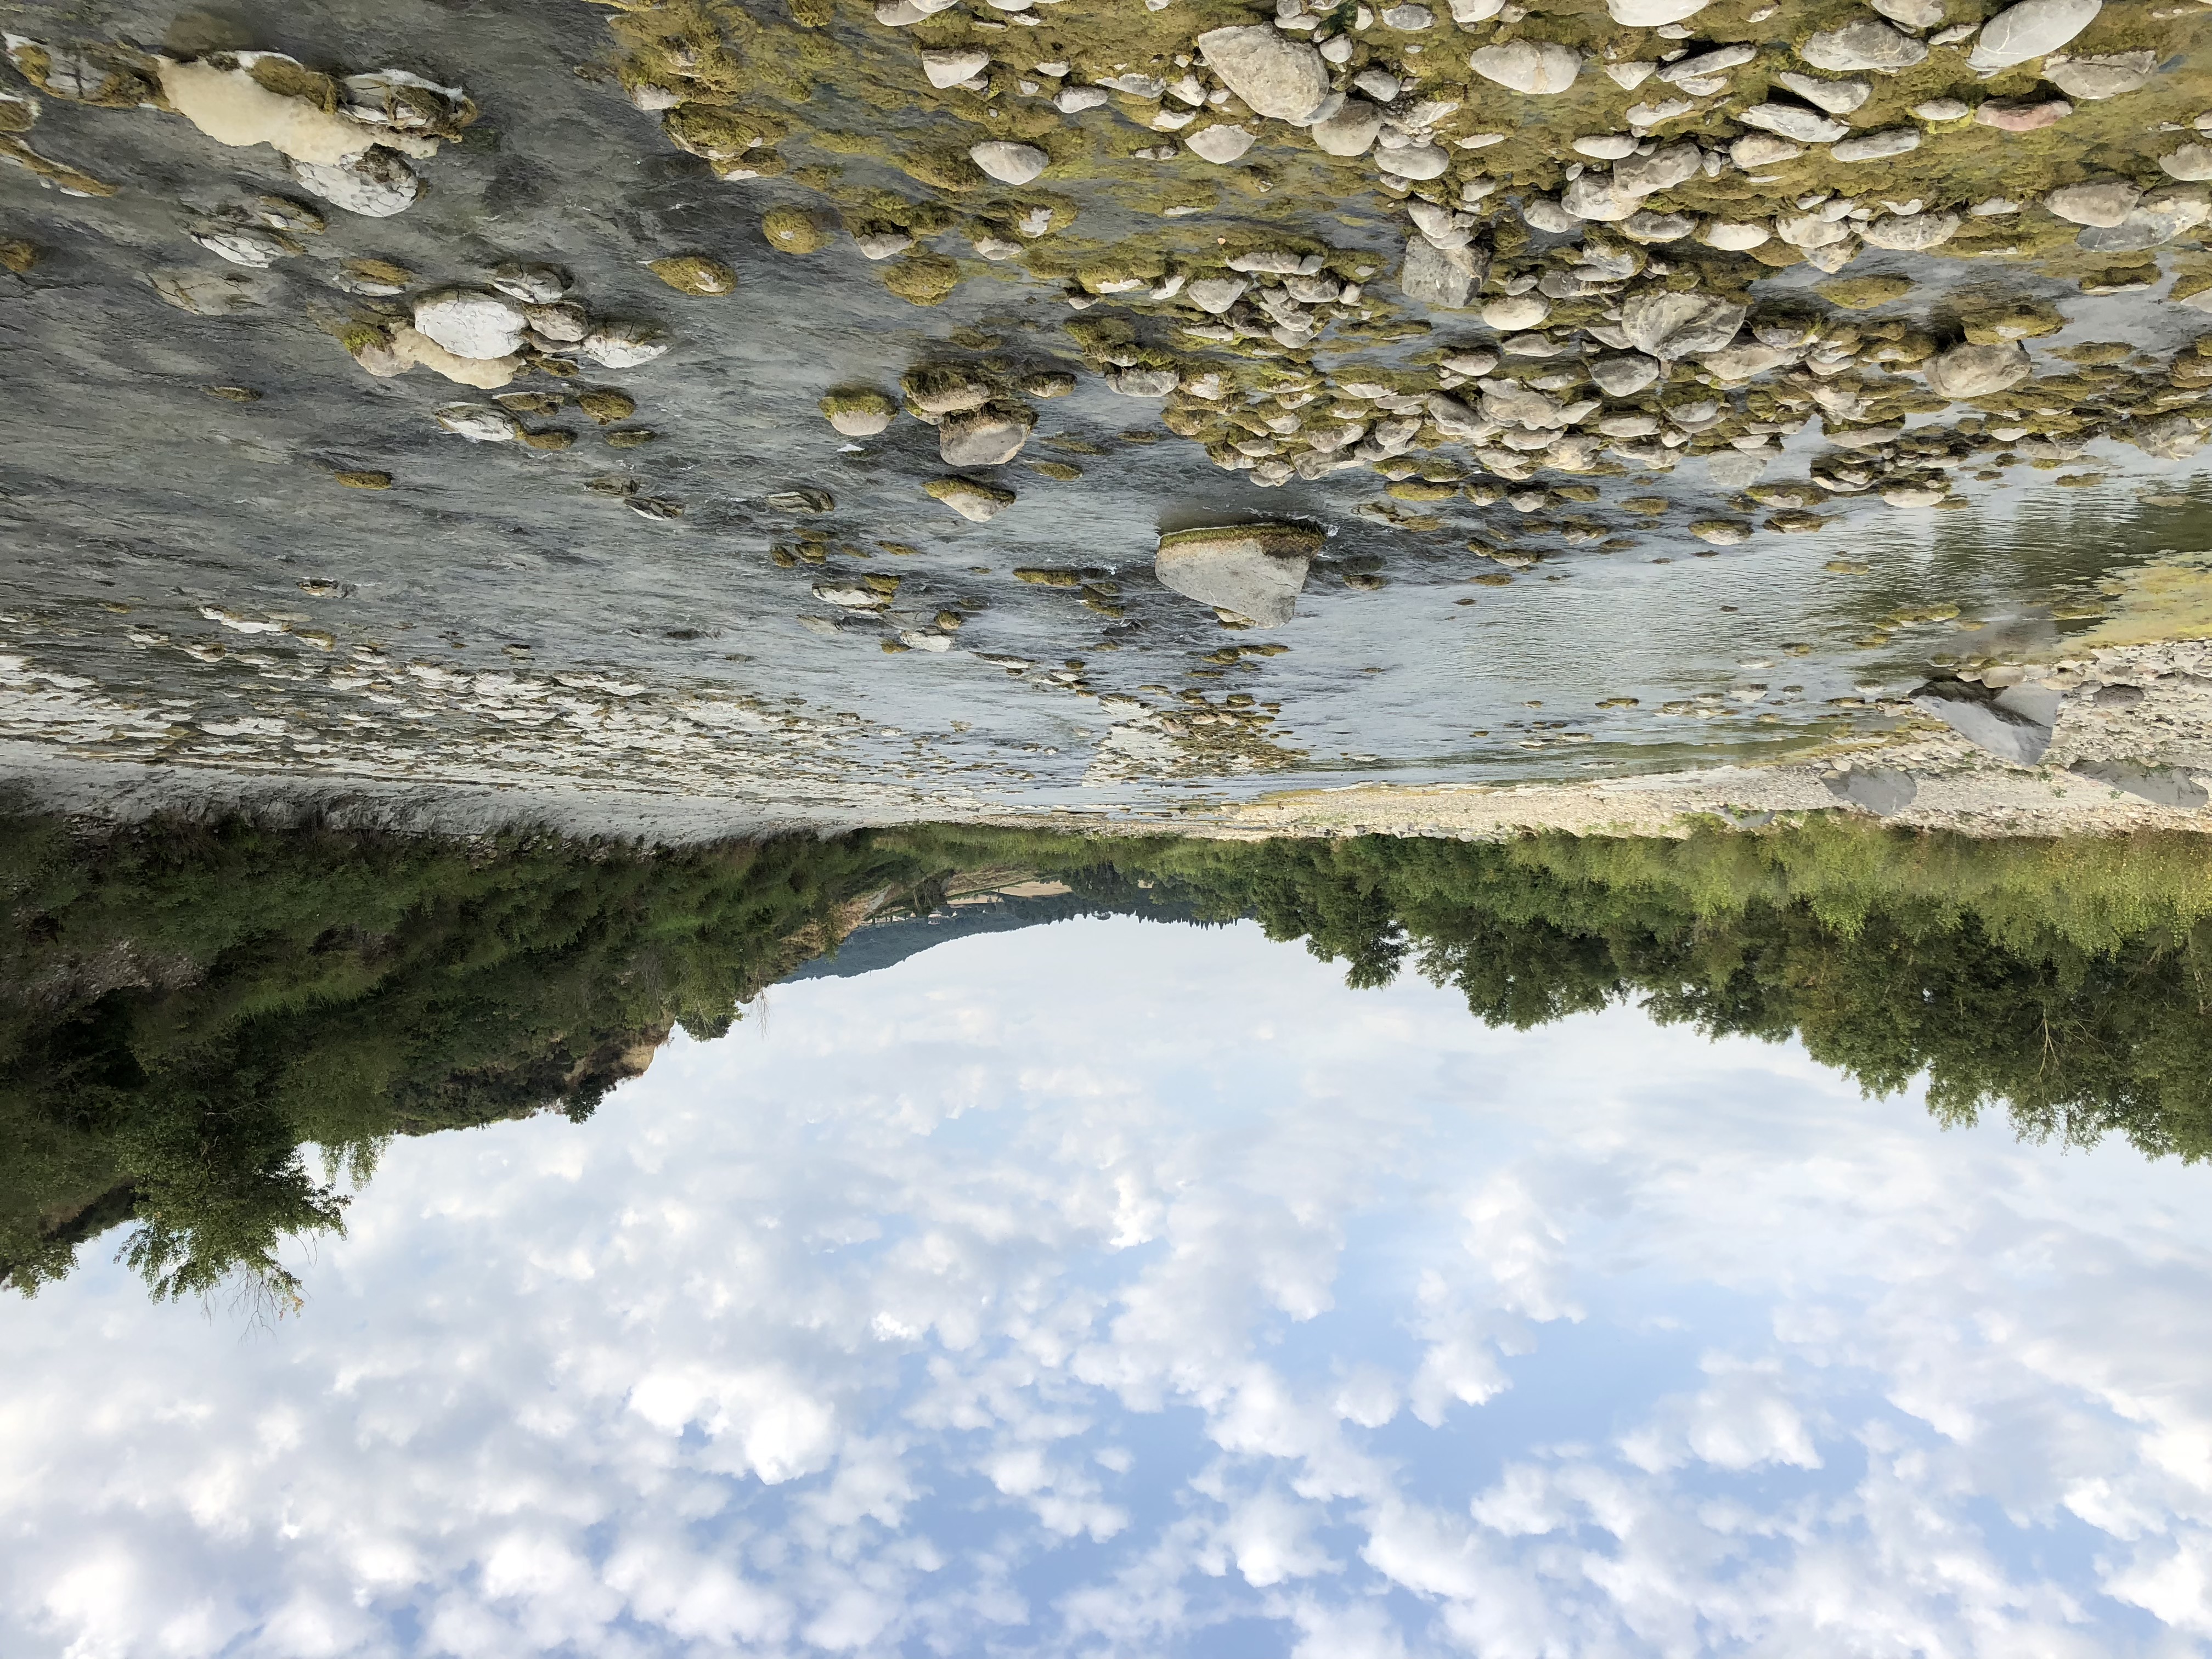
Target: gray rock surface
[(1254, 571), (1999, 723), (1881, 790), (1272, 73)]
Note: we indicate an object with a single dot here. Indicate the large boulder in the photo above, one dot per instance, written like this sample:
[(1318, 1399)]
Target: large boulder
[(1271, 72), (2005, 723), (1251, 570)]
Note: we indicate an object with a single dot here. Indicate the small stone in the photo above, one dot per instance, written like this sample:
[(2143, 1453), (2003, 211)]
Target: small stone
[(534, 285), (1536, 67), (1251, 571), (622, 344), (1596, 198), (1273, 73), (1910, 233), (949, 67), (1648, 227), (1666, 325), (1008, 162), (978, 503), (2106, 201), (1941, 109), (246, 245), (1758, 150), (1722, 532), (881, 241), (792, 230), (694, 274), (2191, 163), (1350, 130), (1664, 168), (1215, 295), (2009, 117), (1877, 146), (1542, 213), (471, 323), (1416, 161), (477, 424), (2030, 29), (1444, 278), (1623, 377), (1605, 147), (2107, 75), (1910, 14), (1073, 101), (1408, 19), (1865, 44), (1835, 97), (859, 412), (2163, 216), (1978, 370), (1142, 382), (1732, 237), (376, 184), (1220, 144), (563, 322), (1652, 14), (1795, 122), (989, 436)]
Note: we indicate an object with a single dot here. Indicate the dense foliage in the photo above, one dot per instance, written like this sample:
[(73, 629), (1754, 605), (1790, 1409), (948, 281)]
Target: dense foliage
[(185, 1008)]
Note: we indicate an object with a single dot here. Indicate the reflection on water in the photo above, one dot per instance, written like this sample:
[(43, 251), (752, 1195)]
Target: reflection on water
[(1101, 1286)]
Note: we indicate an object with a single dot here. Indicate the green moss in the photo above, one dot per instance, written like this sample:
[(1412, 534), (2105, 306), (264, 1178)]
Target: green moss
[(922, 279), (793, 230), (694, 274), (858, 400), (1863, 293), (606, 405)]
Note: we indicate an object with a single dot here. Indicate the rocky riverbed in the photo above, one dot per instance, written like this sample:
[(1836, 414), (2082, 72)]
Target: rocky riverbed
[(694, 416)]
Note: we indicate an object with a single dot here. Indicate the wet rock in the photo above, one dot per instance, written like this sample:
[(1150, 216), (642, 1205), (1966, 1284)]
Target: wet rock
[(792, 230), (1537, 67), (246, 245), (2004, 723), (2164, 786), (2010, 117), (1742, 361), (974, 501), (207, 293), (471, 323), (1833, 97), (1882, 791), (1877, 146), (373, 279), (1734, 238), (1219, 145), (563, 322), (1445, 278), (1665, 167), (1910, 233), (1722, 532), (534, 285), (1252, 571), (935, 391), (949, 67), (859, 412), (374, 184), (411, 349), (1216, 294), (1350, 131), (1758, 150), (1652, 14), (623, 344), (1415, 162), (1597, 197), (1732, 469), (1866, 44), (694, 274), (989, 436), (2107, 74), (1666, 325), (1273, 75), (2107, 202), (882, 242), (1978, 370), (1408, 19), (1941, 109), (2030, 29), (232, 107), (2168, 438), (479, 425), (1795, 122), (2191, 163), (1142, 382), (1648, 227), (1542, 213), (1008, 162), (1073, 101), (1623, 377), (2162, 216), (2117, 695), (605, 405), (1910, 14)]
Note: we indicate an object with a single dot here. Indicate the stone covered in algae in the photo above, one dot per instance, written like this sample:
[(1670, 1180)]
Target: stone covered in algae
[(923, 279), (694, 274), (1254, 571), (795, 230)]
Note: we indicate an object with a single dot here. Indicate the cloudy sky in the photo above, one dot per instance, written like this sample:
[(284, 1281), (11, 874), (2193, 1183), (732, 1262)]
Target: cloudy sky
[(1110, 1289)]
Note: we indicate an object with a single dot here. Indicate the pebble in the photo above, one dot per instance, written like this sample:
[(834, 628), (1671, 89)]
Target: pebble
[(1008, 162), (2107, 202), (858, 413), (471, 323), (2108, 74), (624, 345), (2190, 163), (977, 502), (990, 436), (2009, 117), (691, 273), (1662, 323), (1220, 144), (1652, 14), (1623, 377), (1865, 44), (1273, 73), (479, 425), (246, 244), (1877, 146), (1836, 97), (1444, 278), (881, 243), (1758, 150), (1350, 130), (1142, 382), (1910, 14), (1910, 233), (1792, 121), (1216, 294), (951, 68), (1073, 101), (532, 284), (2030, 29), (1537, 67), (1418, 162), (1941, 109), (1978, 370)]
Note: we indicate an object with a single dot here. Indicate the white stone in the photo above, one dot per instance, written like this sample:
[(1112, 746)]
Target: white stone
[(1910, 14), (1805, 126), (1623, 377), (1941, 109), (2030, 29), (950, 69), (1664, 168), (881, 243), (1652, 14), (477, 424), (990, 436), (1273, 73), (1594, 197), (1468, 13), (1867, 43), (1073, 101), (1733, 237), (534, 285), (375, 184), (246, 244), (1978, 370), (1220, 145), (2107, 74), (1536, 67), (1008, 162), (2191, 163), (2106, 201), (1877, 146), (1759, 149), (469, 323), (1910, 233), (624, 345), (1629, 75), (1350, 130), (1408, 19), (1252, 571), (1418, 162), (1836, 97), (1516, 311), (1216, 293), (1664, 324), (1441, 277), (1605, 146)]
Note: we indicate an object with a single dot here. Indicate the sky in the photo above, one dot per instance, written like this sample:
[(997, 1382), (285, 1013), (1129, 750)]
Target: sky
[(1117, 1289)]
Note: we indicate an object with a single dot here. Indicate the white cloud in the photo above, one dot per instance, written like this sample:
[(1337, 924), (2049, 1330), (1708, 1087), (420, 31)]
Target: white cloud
[(1026, 1300)]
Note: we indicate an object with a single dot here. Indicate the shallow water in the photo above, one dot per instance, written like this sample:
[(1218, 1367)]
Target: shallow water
[(1110, 1288)]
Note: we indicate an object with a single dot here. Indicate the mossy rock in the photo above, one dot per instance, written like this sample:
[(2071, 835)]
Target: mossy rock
[(2095, 352), (1058, 471), (795, 230), (1421, 489), (232, 394), (635, 437), (811, 14), (943, 169), (606, 406), (364, 480), (695, 274), (857, 400), (2024, 321), (716, 135), (1037, 577), (553, 438), (922, 279), (1863, 293)]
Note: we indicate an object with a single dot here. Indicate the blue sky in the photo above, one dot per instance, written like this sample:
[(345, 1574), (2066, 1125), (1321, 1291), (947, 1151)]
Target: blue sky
[(1110, 1289)]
